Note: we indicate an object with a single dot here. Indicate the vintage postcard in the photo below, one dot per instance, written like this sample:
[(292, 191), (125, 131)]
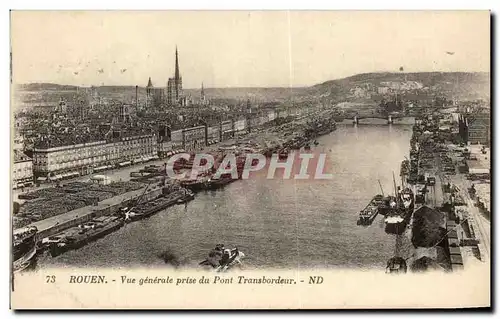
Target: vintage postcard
[(250, 159)]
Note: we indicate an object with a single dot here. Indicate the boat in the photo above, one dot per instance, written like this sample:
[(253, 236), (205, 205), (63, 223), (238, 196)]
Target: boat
[(396, 265), (399, 214), (194, 185), (386, 205), (408, 199), (47, 241), (76, 237), (221, 259), (368, 214), (235, 260), (24, 250), (188, 196), (147, 209), (213, 184), (141, 174)]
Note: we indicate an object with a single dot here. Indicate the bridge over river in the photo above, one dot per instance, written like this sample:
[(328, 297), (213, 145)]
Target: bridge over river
[(389, 118)]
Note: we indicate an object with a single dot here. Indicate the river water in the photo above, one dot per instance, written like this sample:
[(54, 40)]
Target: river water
[(277, 223)]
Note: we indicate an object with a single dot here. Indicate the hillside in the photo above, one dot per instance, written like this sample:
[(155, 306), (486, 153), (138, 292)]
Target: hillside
[(462, 84), (276, 94), (46, 87), (363, 88)]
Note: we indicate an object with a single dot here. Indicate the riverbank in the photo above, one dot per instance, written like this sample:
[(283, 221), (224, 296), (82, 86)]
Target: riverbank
[(447, 230), (288, 135), (290, 215)]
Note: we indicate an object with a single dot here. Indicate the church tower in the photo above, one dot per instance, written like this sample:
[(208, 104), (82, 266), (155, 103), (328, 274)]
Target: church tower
[(174, 85), (149, 87), (149, 93), (178, 79)]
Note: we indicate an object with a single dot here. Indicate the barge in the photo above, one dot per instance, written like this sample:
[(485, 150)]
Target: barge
[(213, 184), (195, 185), (24, 250), (77, 237), (141, 174), (147, 209), (189, 196), (368, 214), (387, 204)]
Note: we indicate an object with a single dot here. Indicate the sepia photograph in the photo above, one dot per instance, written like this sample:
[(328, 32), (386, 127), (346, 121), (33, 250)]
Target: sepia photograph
[(320, 159)]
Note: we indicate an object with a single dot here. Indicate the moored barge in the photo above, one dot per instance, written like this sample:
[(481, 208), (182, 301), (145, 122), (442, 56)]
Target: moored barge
[(24, 250), (368, 214), (77, 237), (147, 209)]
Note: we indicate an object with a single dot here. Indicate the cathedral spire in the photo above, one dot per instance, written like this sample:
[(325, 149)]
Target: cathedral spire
[(177, 76)]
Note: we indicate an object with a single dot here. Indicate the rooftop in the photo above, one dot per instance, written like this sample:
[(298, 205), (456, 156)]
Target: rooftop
[(19, 156), (75, 138)]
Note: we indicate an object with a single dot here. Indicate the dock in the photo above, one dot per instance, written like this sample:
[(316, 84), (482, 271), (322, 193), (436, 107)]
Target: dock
[(462, 232), (56, 224)]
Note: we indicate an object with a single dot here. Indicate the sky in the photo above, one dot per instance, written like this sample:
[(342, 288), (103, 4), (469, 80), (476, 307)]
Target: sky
[(241, 48)]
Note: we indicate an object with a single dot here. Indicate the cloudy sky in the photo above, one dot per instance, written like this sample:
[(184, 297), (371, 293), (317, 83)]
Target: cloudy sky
[(241, 48)]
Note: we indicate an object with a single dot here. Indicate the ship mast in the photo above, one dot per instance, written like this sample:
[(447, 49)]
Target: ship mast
[(381, 187), (395, 191), (165, 174), (140, 198)]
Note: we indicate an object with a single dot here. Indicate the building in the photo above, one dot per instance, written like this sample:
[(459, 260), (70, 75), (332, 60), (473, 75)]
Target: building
[(194, 138), (382, 90), (164, 140), (80, 106), (478, 128), (18, 142), (22, 170), (125, 113), (60, 162), (174, 85), (61, 107), (149, 93), (462, 127), (475, 128), (154, 96), (95, 100), (203, 98), (177, 139)]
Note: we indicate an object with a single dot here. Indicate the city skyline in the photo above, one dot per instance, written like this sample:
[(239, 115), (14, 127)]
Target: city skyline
[(241, 48)]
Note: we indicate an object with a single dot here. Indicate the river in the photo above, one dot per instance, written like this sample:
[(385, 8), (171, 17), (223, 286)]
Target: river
[(277, 223)]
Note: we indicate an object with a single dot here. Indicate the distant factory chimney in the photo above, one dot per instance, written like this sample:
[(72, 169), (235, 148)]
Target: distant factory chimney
[(136, 97)]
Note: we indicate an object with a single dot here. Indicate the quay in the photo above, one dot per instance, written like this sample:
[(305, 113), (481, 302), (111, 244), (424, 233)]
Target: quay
[(447, 229), (53, 225), (281, 136)]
